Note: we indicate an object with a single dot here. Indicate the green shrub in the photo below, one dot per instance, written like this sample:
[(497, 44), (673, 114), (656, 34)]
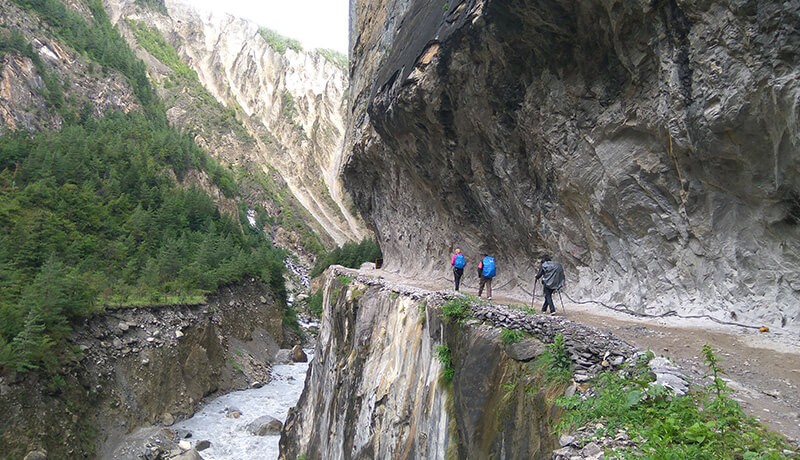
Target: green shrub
[(151, 40), (278, 42), (444, 356), (511, 336), (457, 310), (334, 57), (555, 362), (349, 255), (315, 303), (705, 424)]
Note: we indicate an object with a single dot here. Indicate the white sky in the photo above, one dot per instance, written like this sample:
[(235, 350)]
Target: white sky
[(316, 23)]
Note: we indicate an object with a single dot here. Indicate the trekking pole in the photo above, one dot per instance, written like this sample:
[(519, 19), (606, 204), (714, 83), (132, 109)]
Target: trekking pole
[(562, 302), (533, 297)]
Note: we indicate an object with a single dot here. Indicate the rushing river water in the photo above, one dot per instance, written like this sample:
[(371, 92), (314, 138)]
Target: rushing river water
[(229, 437)]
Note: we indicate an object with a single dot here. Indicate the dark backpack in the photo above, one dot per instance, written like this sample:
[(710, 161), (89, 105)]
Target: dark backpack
[(553, 275), (489, 270), (460, 261)]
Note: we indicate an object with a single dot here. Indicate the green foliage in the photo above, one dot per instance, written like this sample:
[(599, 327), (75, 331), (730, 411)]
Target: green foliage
[(101, 42), (511, 336), (278, 42), (349, 255), (334, 57), (94, 218), (344, 280), (151, 39), (289, 107), (444, 356), (315, 303), (291, 322), (155, 5), (555, 362), (457, 309), (705, 424)]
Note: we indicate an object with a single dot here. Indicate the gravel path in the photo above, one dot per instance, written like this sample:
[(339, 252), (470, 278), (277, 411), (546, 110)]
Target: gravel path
[(763, 368)]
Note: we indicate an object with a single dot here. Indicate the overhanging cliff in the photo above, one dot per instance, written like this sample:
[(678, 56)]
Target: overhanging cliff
[(652, 147)]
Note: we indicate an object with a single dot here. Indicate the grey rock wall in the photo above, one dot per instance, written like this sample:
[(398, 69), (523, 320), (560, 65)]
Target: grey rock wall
[(651, 147), (374, 389)]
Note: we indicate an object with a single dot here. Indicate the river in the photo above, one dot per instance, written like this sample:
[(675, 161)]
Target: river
[(229, 437)]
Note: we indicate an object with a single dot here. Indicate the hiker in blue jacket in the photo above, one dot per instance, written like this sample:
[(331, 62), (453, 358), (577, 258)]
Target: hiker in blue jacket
[(458, 262), (486, 272), (552, 275)]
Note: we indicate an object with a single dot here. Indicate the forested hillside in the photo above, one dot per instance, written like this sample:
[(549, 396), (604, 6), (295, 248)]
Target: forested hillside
[(99, 213)]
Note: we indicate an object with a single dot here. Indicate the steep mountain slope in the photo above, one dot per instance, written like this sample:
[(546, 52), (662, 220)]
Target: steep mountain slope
[(288, 102), (652, 147)]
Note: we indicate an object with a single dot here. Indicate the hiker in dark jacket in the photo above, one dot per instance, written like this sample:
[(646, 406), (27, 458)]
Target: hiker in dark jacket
[(458, 262), (552, 275)]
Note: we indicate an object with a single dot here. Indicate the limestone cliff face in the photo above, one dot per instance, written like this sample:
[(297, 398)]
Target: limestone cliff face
[(375, 387), (652, 147), (290, 104)]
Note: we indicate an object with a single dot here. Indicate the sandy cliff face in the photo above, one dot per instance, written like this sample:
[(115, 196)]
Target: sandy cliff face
[(652, 147), (290, 104)]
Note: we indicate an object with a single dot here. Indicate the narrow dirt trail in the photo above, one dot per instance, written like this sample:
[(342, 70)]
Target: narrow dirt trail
[(762, 369)]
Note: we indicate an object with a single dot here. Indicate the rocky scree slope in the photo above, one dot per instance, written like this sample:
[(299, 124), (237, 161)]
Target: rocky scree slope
[(651, 147), (23, 92), (289, 104), (141, 367)]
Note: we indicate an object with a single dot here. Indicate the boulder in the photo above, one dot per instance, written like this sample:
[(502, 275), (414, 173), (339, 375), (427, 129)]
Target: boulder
[(298, 355), (525, 350), (283, 356), (264, 426), (39, 454)]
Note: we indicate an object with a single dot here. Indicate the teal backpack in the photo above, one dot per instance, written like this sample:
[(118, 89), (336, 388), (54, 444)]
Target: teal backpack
[(489, 270)]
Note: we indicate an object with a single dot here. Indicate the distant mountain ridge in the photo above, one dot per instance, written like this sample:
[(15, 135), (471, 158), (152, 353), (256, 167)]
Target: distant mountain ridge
[(289, 102)]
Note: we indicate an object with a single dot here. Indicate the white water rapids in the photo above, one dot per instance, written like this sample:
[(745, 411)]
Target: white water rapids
[(229, 438)]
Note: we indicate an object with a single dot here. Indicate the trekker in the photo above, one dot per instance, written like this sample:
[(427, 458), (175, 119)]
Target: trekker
[(487, 271), (458, 262), (552, 275)]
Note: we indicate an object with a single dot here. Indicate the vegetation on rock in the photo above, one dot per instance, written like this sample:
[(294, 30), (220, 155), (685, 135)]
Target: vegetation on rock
[(92, 216), (350, 255), (457, 309), (278, 42), (706, 423), (334, 57)]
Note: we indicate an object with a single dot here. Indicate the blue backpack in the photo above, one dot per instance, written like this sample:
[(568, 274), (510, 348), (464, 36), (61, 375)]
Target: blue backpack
[(489, 270), (460, 261)]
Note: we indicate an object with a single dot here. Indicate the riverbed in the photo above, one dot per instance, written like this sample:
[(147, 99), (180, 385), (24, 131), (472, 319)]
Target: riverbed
[(228, 435)]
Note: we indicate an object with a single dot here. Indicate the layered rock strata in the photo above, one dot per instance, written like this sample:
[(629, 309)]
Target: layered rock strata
[(374, 389), (651, 147)]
